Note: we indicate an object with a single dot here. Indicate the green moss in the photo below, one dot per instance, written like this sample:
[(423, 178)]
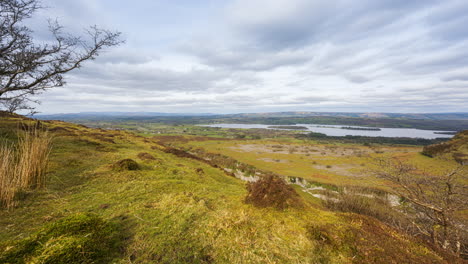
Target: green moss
[(79, 238)]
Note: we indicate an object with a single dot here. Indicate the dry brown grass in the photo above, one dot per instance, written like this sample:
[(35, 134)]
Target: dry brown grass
[(7, 176), (23, 165), (272, 191)]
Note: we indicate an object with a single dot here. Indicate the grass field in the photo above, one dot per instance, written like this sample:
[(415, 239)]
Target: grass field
[(180, 210), (338, 164)]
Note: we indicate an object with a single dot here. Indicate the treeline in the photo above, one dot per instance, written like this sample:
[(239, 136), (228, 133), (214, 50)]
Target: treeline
[(375, 140)]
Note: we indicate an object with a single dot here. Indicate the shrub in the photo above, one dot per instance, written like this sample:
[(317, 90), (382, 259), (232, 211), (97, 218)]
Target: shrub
[(126, 164), (436, 149), (272, 191), (80, 238)]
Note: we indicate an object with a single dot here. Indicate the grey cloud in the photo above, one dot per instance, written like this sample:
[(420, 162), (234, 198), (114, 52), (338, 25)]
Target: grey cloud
[(448, 22), (458, 77), (409, 54), (125, 55), (454, 97), (337, 38), (244, 57), (346, 22), (318, 20), (356, 78), (438, 61), (144, 77)]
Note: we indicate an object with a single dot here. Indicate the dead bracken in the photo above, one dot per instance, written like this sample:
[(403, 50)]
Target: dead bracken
[(272, 191)]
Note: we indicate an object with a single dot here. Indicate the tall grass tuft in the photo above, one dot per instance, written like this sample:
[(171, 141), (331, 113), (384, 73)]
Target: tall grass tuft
[(7, 176), (34, 149), (23, 165)]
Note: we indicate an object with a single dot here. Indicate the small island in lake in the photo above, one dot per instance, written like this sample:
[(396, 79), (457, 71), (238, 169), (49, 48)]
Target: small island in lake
[(446, 133), (362, 128), (290, 127)]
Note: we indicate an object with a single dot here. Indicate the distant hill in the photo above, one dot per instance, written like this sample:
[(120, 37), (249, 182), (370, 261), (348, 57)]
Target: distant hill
[(100, 115), (437, 121), (426, 116), (106, 115)]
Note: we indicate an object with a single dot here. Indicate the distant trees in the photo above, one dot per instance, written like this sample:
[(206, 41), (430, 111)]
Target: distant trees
[(437, 198), (18, 103), (27, 67), (370, 140)]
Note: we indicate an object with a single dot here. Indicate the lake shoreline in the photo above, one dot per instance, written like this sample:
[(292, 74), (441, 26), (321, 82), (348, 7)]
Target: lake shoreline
[(338, 131)]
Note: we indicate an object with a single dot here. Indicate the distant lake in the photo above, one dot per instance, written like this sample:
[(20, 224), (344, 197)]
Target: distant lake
[(337, 130)]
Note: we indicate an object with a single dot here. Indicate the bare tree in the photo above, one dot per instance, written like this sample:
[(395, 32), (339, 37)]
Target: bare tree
[(19, 103), (28, 68), (437, 198)]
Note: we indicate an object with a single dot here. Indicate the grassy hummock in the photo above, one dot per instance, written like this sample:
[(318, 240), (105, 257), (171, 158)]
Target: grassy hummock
[(79, 238), (126, 164)]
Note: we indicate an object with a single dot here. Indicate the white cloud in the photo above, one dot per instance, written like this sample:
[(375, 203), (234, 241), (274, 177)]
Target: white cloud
[(259, 55)]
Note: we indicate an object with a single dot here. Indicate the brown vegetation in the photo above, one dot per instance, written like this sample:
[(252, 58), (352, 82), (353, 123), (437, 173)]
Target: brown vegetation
[(457, 147), (272, 191), (368, 241), (438, 199), (433, 150), (23, 166)]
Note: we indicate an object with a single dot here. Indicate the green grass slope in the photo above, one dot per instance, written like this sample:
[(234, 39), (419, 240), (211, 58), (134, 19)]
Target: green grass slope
[(173, 210)]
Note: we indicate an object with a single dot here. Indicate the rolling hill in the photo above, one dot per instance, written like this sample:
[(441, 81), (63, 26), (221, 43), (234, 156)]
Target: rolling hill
[(167, 208)]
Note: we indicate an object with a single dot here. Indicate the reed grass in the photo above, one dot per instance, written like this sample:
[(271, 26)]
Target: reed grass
[(7, 176), (23, 165)]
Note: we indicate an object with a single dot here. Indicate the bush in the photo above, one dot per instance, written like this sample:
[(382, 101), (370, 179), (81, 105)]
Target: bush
[(272, 191), (80, 238)]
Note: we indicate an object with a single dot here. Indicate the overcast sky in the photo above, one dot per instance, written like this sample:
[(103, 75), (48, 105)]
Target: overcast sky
[(228, 56)]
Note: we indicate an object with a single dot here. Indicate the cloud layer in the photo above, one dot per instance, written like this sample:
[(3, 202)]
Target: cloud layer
[(262, 55)]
